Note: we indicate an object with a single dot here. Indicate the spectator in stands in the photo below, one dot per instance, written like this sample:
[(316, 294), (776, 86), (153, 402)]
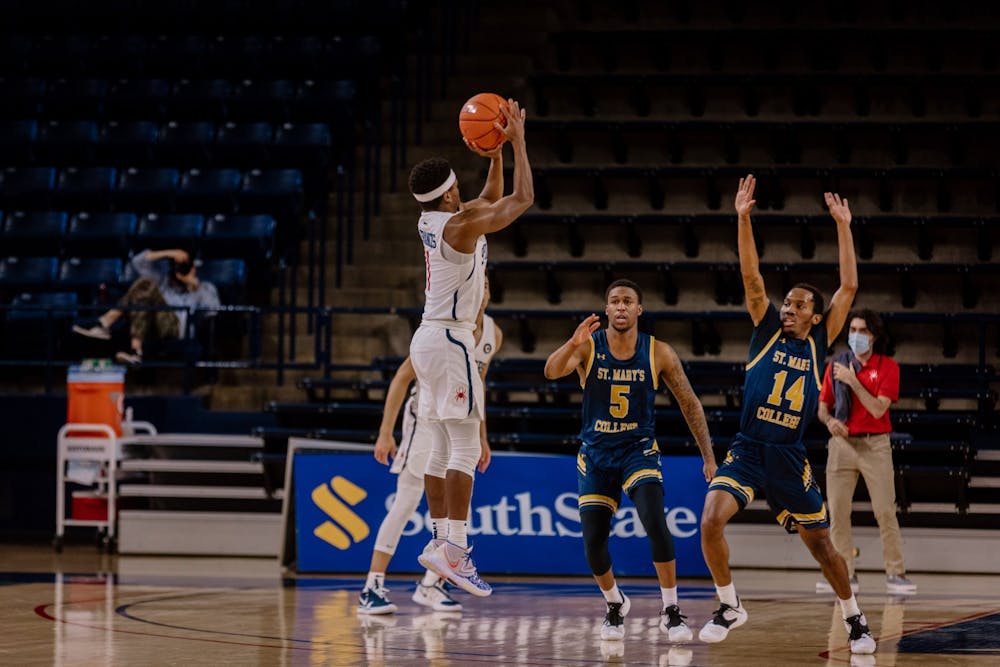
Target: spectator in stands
[(620, 370), (409, 462), (854, 405), (149, 299), (780, 398), (453, 237)]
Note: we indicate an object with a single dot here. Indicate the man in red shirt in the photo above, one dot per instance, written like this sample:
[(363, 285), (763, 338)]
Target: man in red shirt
[(854, 405)]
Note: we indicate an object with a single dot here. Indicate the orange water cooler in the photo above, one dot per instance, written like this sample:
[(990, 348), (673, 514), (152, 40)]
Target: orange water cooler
[(95, 394)]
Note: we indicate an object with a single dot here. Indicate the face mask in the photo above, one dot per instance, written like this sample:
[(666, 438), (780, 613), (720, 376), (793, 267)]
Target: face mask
[(859, 342)]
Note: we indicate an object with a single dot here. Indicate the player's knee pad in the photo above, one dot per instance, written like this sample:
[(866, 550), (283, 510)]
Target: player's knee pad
[(648, 499), (464, 445), (437, 458), (596, 527), (409, 490)]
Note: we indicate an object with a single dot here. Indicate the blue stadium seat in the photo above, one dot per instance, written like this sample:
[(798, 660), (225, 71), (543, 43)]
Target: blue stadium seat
[(35, 322), (17, 140), (239, 143), (326, 101), (71, 98), (33, 232), (88, 275), (131, 142), (275, 191), (147, 188), (27, 186), (268, 99), (228, 275), (198, 99), (99, 234), (67, 142), (27, 273), (186, 143), (138, 99), (248, 236), (302, 144), (209, 190), (22, 96), (169, 230), (87, 188)]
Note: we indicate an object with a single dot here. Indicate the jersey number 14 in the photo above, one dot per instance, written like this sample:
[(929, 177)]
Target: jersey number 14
[(793, 395)]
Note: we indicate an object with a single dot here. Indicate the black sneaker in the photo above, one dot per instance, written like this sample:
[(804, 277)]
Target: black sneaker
[(672, 622), (859, 635), (614, 621)]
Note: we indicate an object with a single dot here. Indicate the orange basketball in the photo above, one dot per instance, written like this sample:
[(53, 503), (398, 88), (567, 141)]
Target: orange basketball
[(476, 119)]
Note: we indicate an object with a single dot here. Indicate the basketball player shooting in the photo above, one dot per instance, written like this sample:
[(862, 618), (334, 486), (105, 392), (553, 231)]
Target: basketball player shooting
[(453, 234)]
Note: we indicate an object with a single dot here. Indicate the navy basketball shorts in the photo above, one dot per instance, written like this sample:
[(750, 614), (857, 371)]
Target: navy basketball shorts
[(602, 473), (782, 473)]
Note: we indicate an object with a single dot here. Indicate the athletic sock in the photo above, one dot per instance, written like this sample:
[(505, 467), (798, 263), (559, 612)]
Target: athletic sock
[(439, 528), (727, 595), (375, 580), (457, 533), (849, 607), (613, 594), (669, 596)]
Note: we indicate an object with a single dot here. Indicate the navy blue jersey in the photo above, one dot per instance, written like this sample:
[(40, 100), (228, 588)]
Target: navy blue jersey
[(618, 395), (783, 379)]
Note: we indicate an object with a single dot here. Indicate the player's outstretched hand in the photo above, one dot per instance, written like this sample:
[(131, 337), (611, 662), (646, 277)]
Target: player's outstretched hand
[(744, 196), (839, 208), (587, 327)]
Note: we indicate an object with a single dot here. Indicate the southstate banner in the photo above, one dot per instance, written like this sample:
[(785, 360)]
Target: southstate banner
[(524, 516)]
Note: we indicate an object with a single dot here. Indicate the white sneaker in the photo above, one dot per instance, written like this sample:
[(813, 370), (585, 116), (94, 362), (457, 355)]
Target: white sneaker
[(725, 619), (823, 586), (612, 650), (614, 621), (672, 622), (429, 548), (436, 596), (454, 563), (859, 635), (899, 584)]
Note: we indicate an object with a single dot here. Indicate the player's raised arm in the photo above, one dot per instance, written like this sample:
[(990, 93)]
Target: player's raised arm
[(840, 304), (573, 353), (493, 188), (469, 224), (753, 282), (672, 371)]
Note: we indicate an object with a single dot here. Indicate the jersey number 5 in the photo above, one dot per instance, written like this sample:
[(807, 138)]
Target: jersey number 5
[(619, 401), (793, 395)]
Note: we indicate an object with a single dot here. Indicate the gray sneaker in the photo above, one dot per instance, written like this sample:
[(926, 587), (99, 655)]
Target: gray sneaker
[(898, 583), (823, 586)]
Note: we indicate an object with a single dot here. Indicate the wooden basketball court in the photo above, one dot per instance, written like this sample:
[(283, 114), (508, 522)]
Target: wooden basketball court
[(84, 608)]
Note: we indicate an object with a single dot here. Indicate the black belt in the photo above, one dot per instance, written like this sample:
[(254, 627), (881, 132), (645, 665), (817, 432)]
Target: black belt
[(867, 435)]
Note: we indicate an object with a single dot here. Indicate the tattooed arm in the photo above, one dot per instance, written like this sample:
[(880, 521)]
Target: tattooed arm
[(670, 369)]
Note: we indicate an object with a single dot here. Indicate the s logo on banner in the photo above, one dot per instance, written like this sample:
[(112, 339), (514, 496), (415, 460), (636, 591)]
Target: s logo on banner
[(338, 511)]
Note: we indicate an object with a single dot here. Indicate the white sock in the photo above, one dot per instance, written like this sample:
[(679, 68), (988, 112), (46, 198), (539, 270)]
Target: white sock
[(849, 607), (669, 596), (457, 533), (439, 528), (430, 578), (727, 595), (375, 580), (613, 594)]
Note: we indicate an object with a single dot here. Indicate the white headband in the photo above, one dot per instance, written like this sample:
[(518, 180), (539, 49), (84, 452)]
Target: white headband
[(438, 191)]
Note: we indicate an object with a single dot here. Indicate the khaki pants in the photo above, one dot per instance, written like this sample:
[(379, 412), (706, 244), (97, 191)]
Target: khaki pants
[(872, 457), (149, 324)]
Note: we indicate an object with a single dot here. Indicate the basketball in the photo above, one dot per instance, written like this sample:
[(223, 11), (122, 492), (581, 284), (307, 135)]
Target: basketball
[(476, 119)]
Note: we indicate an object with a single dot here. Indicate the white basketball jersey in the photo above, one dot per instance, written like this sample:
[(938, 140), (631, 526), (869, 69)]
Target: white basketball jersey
[(454, 281)]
